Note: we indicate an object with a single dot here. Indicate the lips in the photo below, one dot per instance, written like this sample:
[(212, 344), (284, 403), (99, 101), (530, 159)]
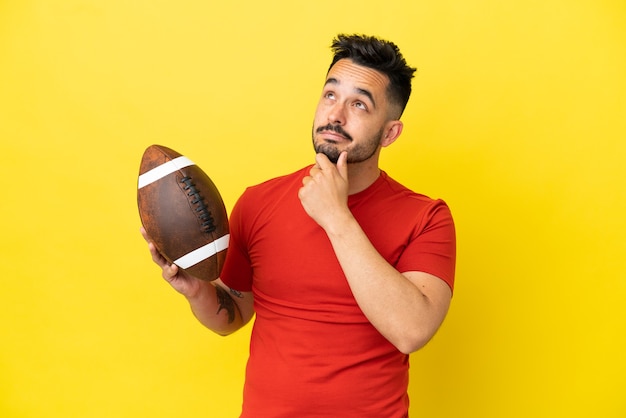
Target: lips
[(335, 131), (333, 135)]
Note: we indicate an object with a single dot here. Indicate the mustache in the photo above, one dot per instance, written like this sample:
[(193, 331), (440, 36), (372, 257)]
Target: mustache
[(334, 128)]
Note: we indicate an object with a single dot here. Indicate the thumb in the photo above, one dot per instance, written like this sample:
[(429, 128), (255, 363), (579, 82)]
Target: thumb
[(342, 165)]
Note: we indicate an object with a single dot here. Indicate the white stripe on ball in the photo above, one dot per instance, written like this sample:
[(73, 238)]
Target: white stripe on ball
[(200, 254), (163, 170)]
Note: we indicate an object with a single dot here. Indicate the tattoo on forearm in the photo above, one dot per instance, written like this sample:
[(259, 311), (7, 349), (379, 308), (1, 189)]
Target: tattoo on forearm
[(236, 293), (225, 302)]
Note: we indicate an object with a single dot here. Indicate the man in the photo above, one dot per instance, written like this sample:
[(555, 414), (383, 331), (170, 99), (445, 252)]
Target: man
[(347, 270)]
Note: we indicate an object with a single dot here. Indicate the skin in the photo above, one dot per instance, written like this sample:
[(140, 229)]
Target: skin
[(355, 104), (420, 300), (206, 299)]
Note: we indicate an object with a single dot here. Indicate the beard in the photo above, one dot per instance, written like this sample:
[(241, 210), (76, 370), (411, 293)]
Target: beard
[(356, 153)]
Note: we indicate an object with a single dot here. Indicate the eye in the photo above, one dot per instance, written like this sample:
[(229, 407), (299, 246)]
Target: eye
[(360, 105), (329, 95)]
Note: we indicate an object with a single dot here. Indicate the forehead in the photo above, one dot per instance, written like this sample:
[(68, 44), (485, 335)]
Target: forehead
[(347, 74)]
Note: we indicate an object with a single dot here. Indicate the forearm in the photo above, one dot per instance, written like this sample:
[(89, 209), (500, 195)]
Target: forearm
[(216, 309), (406, 308), (396, 306)]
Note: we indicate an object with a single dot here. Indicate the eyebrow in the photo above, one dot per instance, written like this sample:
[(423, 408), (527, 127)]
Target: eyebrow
[(364, 92)]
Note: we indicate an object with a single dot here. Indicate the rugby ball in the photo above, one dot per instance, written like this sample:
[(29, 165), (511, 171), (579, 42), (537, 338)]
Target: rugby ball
[(182, 212)]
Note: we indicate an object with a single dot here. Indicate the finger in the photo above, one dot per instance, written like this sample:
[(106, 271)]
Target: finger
[(316, 165), (322, 161), (170, 271), (314, 171), (342, 164), (144, 234), (156, 255)]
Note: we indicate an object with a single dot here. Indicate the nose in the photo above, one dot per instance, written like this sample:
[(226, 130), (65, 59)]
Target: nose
[(336, 115)]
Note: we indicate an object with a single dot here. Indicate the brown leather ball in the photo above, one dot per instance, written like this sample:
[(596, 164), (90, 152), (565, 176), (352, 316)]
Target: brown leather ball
[(183, 213)]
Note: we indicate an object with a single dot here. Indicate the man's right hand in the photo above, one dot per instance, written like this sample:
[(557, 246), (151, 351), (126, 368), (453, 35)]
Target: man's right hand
[(184, 283), (214, 304)]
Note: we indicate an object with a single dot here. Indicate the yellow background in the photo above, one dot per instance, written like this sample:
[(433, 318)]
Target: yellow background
[(518, 120)]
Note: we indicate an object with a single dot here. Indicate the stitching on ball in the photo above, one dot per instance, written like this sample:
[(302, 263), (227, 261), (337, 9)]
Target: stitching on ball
[(201, 209)]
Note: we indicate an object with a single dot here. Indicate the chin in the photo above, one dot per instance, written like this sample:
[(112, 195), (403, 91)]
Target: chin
[(329, 150)]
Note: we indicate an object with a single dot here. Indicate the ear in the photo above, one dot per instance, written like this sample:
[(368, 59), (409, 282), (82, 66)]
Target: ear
[(392, 131)]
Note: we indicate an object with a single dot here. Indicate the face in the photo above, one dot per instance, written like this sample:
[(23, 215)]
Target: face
[(353, 113)]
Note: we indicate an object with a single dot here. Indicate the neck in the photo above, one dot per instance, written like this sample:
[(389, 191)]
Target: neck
[(361, 176)]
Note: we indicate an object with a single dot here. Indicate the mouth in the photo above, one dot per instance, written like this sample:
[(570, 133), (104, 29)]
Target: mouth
[(332, 137), (333, 133)]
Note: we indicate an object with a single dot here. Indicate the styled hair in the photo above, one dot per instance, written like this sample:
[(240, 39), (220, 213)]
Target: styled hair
[(380, 55)]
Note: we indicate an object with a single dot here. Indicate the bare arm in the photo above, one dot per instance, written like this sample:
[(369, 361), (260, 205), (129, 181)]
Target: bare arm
[(408, 308), (217, 307)]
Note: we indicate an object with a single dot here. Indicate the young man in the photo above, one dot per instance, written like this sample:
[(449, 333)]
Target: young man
[(347, 270)]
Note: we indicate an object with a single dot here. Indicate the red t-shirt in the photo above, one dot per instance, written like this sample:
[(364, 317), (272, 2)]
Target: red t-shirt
[(312, 352)]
